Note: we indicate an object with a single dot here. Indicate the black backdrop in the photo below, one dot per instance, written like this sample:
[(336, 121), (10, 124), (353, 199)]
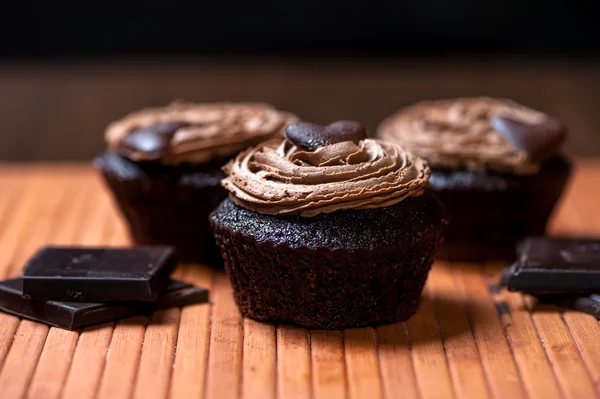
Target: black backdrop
[(70, 28)]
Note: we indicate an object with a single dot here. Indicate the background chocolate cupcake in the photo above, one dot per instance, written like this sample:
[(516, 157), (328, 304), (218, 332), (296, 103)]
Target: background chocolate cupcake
[(163, 166), (495, 165), (327, 229)]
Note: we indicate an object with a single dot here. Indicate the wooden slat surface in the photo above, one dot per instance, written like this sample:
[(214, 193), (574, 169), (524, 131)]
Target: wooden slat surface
[(468, 340)]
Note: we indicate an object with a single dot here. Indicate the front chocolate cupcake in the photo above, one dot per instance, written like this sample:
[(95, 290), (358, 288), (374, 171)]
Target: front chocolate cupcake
[(163, 166), (495, 165), (327, 228)]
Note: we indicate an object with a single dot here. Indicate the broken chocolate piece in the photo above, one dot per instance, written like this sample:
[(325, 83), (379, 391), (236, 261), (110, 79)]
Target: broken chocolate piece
[(98, 274), (555, 266), (74, 315), (179, 293)]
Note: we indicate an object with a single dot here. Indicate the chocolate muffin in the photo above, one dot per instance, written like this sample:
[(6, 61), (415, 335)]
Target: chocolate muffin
[(495, 165), (163, 166), (327, 229)]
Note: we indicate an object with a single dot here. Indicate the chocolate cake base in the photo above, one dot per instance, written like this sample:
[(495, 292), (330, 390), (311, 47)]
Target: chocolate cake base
[(344, 269), (490, 212), (167, 204)]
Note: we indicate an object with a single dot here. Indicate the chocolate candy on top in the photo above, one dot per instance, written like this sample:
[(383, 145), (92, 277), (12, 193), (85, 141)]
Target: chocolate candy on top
[(311, 136), (154, 140), (539, 141)]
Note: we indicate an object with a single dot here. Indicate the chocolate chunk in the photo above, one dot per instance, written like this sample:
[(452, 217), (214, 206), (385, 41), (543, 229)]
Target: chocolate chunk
[(539, 141), (98, 274), (311, 136), (154, 141), (583, 303), (74, 315), (555, 265), (587, 304), (179, 293)]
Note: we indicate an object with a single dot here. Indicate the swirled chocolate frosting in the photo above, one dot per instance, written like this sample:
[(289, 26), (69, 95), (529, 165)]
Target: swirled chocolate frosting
[(321, 169), (477, 134), (194, 133)]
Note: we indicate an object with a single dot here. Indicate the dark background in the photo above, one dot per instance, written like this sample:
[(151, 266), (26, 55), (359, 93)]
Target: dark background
[(293, 28), (68, 69)]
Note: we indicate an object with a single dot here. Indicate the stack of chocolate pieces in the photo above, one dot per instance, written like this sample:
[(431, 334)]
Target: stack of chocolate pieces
[(564, 271), (75, 287)]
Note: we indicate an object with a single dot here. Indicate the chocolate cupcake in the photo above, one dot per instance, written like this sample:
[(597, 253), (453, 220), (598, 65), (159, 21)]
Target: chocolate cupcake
[(495, 165), (163, 166), (327, 228)]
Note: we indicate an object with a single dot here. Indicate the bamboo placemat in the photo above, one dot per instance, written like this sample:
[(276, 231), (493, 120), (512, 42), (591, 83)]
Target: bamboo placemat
[(466, 341)]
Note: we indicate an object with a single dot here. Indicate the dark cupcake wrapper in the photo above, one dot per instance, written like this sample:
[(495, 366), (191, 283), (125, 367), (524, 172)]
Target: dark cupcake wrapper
[(489, 212), (318, 284), (167, 205)]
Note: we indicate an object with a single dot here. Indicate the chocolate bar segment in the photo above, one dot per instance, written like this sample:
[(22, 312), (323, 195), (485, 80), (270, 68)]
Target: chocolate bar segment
[(74, 315), (589, 304), (69, 315), (555, 266), (179, 293), (98, 274)]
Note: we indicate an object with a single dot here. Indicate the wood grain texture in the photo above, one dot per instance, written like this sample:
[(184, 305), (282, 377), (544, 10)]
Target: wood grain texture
[(191, 357), (10, 199), (156, 362), (429, 359), (88, 362), (293, 363), (327, 364), (362, 364), (8, 328), (259, 364), (122, 360), (465, 341), (23, 356), (226, 342), (395, 361), (464, 363), (527, 349), (53, 365), (582, 328), (23, 232), (496, 356), (586, 334), (563, 353)]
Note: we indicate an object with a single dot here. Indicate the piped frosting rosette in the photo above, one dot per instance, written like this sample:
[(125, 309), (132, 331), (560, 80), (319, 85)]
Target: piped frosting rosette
[(278, 177), (477, 134), (185, 132)]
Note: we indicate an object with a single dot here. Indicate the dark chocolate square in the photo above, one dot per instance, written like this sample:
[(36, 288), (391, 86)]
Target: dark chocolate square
[(69, 315), (589, 304), (98, 274), (74, 315), (555, 265)]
